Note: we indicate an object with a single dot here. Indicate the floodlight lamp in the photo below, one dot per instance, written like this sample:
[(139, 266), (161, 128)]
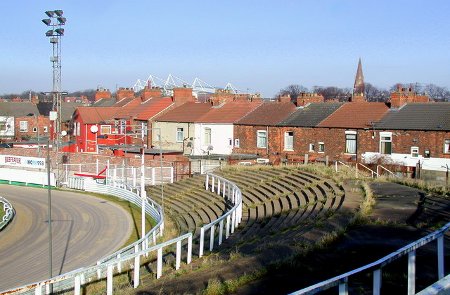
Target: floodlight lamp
[(50, 13), (60, 32), (62, 20), (47, 21), (59, 12), (49, 33)]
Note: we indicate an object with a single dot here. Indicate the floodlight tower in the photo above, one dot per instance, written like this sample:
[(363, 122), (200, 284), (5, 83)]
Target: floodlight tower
[(55, 22)]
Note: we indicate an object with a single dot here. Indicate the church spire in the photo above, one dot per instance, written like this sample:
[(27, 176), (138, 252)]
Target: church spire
[(358, 88)]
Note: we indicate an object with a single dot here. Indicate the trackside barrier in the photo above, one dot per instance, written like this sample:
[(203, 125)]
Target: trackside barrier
[(9, 213), (75, 279), (231, 193), (376, 267)]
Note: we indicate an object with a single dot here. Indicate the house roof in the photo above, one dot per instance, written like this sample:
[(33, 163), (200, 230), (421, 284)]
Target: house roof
[(152, 107), (187, 112), (418, 116), (94, 115), (67, 110), (18, 109), (268, 114), (125, 101), (229, 112), (311, 115), (104, 102), (356, 115)]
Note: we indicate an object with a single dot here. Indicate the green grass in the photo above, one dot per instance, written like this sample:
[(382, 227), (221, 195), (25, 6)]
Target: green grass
[(2, 212)]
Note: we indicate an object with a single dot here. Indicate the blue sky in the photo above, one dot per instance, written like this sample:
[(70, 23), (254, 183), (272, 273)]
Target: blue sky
[(260, 45)]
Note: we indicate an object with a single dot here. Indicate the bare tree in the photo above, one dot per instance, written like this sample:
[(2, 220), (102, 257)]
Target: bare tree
[(333, 92), (293, 90), (373, 93), (437, 93)]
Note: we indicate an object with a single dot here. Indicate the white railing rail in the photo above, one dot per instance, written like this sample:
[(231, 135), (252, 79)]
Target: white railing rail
[(9, 213), (379, 167), (230, 193), (373, 173), (376, 267), (341, 163), (73, 280), (130, 256)]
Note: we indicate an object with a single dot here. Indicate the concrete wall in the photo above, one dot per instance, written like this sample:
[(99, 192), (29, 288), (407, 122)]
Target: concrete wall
[(221, 137)]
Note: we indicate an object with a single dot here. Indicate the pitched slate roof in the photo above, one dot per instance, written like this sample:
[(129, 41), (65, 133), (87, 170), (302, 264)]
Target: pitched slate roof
[(187, 112), (67, 110), (93, 115), (268, 114), (18, 109), (104, 102), (229, 112), (418, 116), (356, 115), (311, 115)]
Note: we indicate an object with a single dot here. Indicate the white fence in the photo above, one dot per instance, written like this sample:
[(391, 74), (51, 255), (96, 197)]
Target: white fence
[(130, 256), (376, 267), (9, 213), (127, 175), (26, 177)]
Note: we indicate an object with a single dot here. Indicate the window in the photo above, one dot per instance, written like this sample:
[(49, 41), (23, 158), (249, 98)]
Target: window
[(46, 129), (236, 142), (311, 147), (34, 129), (207, 138), (230, 142), (289, 141), (447, 146), (3, 126), (386, 142), (261, 141), (414, 151), (23, 126), (350, 142), (180, 134), (105, 129), (321, 147)]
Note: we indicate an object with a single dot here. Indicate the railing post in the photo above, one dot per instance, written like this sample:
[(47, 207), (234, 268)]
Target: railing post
[(227, 227), (211, 238), (233, 220), (343, 287), (376, 281), (224, 188), (412, 272), (206, 181), (77, 286), (440, 253), (356, 169), (189, 254), (38, 290), (119, 263), (159, 264), (220, 232), (137, 266), (109, 280), (178, 256), (336, 165), (171, 174), (98, 270), (202, 237), (218, 186), (213, 183)]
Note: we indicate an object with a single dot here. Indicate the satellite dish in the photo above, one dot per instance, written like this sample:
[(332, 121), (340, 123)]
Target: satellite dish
[(94, 129), (64, 133)]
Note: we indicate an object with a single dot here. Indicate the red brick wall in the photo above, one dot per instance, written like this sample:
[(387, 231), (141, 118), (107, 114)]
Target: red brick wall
[(334, 141), (150, 93), (124, 93), (102, 93), (182, 95), (33, 122)]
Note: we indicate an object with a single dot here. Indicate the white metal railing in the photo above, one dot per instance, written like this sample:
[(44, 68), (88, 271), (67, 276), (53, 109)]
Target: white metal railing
[(75, 279), (379, 167), (9, 213), (130, 175), (373, 173), (130, 255), (376, 267), (231, 193)]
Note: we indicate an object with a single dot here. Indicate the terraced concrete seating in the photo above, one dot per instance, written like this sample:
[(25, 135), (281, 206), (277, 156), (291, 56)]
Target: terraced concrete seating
[(189, 204), (281, 201)]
